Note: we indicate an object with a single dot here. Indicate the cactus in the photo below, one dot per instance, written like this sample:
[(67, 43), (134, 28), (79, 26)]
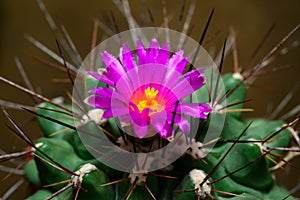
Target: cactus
[(152, 124)]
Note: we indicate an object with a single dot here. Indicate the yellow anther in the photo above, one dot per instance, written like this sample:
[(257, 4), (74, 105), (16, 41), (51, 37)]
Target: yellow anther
[(147, 104), (148, 101), (142, 105), (151, 93)]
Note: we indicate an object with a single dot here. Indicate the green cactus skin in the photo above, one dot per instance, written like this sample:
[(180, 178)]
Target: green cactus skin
[(262, 128), (92, 182), (253, 182), (62, 152), (41, 194), (32, 174), (257, 175)]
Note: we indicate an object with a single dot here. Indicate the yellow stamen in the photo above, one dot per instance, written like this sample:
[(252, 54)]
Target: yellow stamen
[(151, 93), (149, 102), (146, 104)]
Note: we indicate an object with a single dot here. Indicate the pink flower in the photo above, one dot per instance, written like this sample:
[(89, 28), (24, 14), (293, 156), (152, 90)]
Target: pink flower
[(146, 88)]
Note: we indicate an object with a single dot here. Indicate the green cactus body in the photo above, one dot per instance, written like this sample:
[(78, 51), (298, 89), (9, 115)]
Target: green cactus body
[(262, 128), (130, 113), (58, 150), (41, 194), (91, 182), (52, 129), (31, 173), (253, 182), (256, 175)]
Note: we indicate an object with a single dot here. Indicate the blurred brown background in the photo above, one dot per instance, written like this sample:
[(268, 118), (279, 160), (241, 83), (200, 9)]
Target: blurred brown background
[(251, 19)]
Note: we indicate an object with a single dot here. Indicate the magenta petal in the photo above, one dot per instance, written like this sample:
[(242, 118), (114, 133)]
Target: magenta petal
[(116, 113), (196, 110), (172, 77), (138, 118), (196, 78), (111, 61), (175, 60), (125, 86), (166, 131), (152, 51), (145, 115), (184, 125), (98, 102), (106, 92), (181, 122), (112, 74), (158, 120), (187, 84), (101, 78), (127, 58), (107, 114), (140, 131), (95, 75), (140, 121), (141, 53), (151, 74), (182, 88), (114, 70), (182, 64), (163, 55), (133, 108), (119, 111)]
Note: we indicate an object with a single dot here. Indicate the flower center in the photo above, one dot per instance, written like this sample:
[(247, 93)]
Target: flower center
[(149, 101)]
